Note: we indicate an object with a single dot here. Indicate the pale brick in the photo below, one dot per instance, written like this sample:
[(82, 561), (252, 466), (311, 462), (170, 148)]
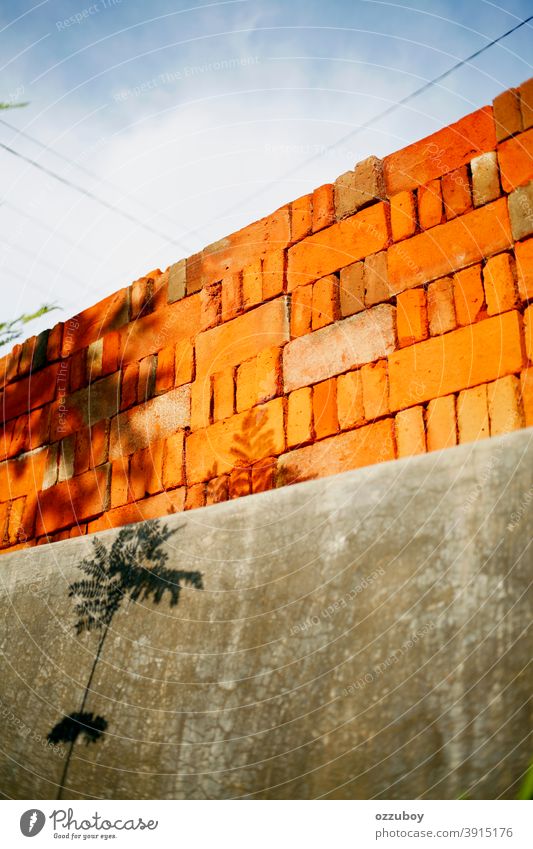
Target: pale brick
[(485, 178)]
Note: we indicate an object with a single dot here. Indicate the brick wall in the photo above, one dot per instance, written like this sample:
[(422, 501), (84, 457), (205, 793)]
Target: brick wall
[(378, 317)]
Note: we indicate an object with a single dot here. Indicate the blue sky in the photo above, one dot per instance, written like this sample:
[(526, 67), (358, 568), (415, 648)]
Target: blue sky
[(197, 118)]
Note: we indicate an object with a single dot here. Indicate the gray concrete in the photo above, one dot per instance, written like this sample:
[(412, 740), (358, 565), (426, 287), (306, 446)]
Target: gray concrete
[(366, 635)]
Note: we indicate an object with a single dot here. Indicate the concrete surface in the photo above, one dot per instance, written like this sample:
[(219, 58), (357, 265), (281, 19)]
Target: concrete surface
[(366, 635)]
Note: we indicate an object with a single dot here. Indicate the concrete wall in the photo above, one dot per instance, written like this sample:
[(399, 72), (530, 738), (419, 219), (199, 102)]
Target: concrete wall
[(359, 636)]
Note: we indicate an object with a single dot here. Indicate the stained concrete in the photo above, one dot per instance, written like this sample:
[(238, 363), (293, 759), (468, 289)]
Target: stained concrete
[(366, 635)]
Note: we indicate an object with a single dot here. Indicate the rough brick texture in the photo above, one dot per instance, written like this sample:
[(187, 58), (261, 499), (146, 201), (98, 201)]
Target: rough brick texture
[(373, 318)]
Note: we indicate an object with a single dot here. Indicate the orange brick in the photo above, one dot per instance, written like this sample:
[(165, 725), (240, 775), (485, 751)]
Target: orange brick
[(184, 363), (22, 476), (352, 289), (200, 403), (375, 384), (350, 409), (210, 306), (524, 267), (231, 296), (174, 323), (376, 279), (268, 374), (444, 364), (242, 338), (301, 310), (120, 491), (244, 438), (195, 496), (449, 246), (441, 425), (526, 392), (528, 332), (325, 408), (325, 301), (526, 103), (301, 218), (507, 115), (252, 284), (264, 475), (239, 483), (173, 463), (153, 467), (505, 407), (469, 296), (30, 392), (364, 446), (72, 501), (337, 246), (411, 317), (516, 161), (130, 380), (147, 373), (273, 274), (443, 151), (246, 380), (111, 353), (323, 207), (430, 205), (92, 446), (137, 487), (164, 379), (223, 393), (441, 308), (456, 193), (500, 286), (153, 507), (402, 215), (216, 490), (410, 433), (299, 417), (473, 414), (109, 314), (15, 530)]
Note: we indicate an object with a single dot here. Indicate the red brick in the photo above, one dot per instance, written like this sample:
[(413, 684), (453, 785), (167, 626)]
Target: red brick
[(441, 424), (231, 303), (411, 317), (449, 246), (15, 531), (441, 307), (164, 379), (252, 284), (505, 407), (223, 393), (96, 321), (469, 296), (323, 207), (444, 364), (264, 475), (216, 490), (443, 151), (516, 161), (325, 303), (301, 310), (472, 414), (111, 353), (335, 247), (402, 215), (350, 409), (500, 284), (365, 446), (507, 115), (137, 476), (30, 392), (72, 501), (375, 385), (430, 205), (239, 483), (173, 467), (120, 488), (273, 274), (55, 340), (78, 370), (301, 218), (456, 193), (325, 408), (299, 417), (410, 432), (130, 380)]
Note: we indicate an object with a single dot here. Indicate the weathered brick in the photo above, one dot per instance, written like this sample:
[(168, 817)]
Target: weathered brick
[(268, 374), (375, 383), (485, 178), (301, 310), (130, 380), (78, 377), (376, 279), (231, 296), (237, 341), (430, 205), (373, 443), (402, 215), (507, 115), (211, 306), (444, 364), (147, 375), (505, 408), (410, 432), (239, 483), (156, 419), (350, 409), (516, 161), (66, 458), (411, 317), (335, 247), (323, 207), (441, 308), (301, 218), (216, 490), (174, 461), (524, 268), (263, 475), (141, 297), (177, 281), (299, 417), (325, 302), (325, 408), (339, 347), (153, 467), (469, 295), (449, 246), (200, 403), (521, 211), (252, 284), (456, 193), (443, 151), (500, 285), (473, 414), (354, 189), (235, 442), (352, 289), (73, 501), (195, 496), (120, 492), (54, 343), (441, 427)]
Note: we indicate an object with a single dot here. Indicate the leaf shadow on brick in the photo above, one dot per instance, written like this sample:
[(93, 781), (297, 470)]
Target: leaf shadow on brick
[(132, 569)]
